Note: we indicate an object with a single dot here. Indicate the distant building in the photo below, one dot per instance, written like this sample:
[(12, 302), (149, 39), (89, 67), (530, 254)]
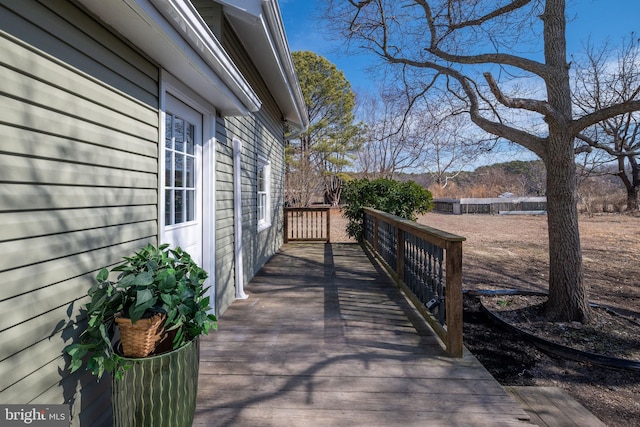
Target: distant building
[(498, 205)]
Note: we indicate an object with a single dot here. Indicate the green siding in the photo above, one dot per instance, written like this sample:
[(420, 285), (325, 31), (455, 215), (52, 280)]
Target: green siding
[(224, 246), (78, 189), (261, 135)]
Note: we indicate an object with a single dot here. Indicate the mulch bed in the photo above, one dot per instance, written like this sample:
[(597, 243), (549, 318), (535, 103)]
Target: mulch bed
[(608, 334)]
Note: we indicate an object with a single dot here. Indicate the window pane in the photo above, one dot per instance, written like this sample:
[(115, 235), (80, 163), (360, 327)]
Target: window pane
[(190, 172), (191, 205), (168, 129), (178, 173), (190, 138), (168, 197), (168, 165), (178, 133), (179, 199), (261, 179), (262, 200)]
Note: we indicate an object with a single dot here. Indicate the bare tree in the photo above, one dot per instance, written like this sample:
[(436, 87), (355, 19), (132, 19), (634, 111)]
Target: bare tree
[(430, 136), (390, 142), (603, 81), (450, 145), (302, 182), (452, 43)]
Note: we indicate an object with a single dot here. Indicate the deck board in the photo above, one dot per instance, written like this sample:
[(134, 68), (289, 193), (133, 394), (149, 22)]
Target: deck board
[(326, 339)]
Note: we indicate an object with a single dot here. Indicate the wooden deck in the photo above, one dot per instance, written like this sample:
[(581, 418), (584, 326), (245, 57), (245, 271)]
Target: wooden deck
[(325, 339)]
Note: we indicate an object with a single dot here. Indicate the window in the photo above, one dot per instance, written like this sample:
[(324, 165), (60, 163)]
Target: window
[(180, 190), (264, 196)]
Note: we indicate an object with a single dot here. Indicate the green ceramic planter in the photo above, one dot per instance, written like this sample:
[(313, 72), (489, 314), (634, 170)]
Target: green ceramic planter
[(159, 390)]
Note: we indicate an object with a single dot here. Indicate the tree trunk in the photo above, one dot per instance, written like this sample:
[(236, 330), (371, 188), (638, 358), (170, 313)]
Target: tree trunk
[(567, 293), (632, 196), (632, 199), (568, 299), (332, 190), (628, 185)]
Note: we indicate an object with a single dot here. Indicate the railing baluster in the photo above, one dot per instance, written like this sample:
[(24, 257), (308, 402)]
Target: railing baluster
[(400, 255)]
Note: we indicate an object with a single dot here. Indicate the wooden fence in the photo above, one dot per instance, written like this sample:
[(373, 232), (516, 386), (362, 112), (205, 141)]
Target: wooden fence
[(427, 265), (496, 205), (307, 224)]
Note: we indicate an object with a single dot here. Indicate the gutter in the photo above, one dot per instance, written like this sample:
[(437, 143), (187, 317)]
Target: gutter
[(186, 19), (265, 15), (274, 22)]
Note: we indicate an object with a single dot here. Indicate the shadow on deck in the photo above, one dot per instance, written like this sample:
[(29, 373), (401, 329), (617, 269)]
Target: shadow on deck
[(326, 339)]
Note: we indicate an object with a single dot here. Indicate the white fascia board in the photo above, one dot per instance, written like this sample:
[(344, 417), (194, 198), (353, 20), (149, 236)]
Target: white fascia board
[(259, 25), (173, 34)]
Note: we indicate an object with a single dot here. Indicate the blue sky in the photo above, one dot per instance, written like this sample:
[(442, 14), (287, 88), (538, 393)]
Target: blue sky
[(597, 19)]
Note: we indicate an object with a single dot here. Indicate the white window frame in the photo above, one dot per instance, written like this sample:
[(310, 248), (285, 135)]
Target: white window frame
[(263, 195)]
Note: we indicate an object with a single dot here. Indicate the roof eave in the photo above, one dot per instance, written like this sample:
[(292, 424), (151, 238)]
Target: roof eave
[(174, 35), (259, 25)]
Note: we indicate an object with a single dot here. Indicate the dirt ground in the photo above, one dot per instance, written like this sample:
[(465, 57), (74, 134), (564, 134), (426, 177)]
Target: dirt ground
[(510, 252)]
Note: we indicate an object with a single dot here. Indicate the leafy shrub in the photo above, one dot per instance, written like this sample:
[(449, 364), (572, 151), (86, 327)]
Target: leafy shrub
[(153, 280), (403, 199)]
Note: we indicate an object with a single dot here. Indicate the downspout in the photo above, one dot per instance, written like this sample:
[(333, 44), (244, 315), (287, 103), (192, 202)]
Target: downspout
[(237, 219)]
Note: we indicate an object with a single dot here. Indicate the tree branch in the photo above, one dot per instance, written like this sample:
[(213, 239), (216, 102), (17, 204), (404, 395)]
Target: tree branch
[(541, 107), (578, 125), (533, 67), (508, 8), (527, 140), (607, 148), (487, 58)]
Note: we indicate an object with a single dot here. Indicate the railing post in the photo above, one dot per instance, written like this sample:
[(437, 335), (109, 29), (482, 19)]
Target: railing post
[(286, 225), (329, 225), (453, 298)]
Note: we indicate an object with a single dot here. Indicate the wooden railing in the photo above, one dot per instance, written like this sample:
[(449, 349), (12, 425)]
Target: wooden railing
[(307, 224), (427, 265)]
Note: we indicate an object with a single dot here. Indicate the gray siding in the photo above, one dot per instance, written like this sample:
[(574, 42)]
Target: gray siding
[(261, 135), (78, 189)]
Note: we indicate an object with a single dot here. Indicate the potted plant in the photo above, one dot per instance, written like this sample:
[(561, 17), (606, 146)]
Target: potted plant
[(163, 288)]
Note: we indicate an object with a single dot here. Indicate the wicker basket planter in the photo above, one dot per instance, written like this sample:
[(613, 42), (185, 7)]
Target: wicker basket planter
[(141, 338)]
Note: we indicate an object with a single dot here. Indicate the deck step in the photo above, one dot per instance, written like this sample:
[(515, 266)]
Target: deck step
[(550, 406)]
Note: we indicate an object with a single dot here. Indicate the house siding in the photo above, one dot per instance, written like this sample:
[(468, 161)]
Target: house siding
[(79, 185), (78, 189), (261, 135)]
